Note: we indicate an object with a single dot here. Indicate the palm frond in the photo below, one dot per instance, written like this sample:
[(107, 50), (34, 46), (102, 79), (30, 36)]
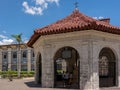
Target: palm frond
[(17, 37)]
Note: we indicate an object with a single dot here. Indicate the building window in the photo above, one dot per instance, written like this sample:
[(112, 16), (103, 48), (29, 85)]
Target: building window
[(24, 54), (24, 60), (24, 68), (5, 55), (103, 66), (14, 67), (14, 54), (14, 61), (33, 55), (4, 61)]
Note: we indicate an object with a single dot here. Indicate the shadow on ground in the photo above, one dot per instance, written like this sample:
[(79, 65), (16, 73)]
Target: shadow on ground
[(32, 84)]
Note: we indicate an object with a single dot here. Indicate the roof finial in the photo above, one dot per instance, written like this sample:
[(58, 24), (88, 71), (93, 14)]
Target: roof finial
[(76, 5)]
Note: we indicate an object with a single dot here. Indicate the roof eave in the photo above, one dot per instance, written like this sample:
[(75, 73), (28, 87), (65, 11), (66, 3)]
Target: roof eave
[(33, 39)]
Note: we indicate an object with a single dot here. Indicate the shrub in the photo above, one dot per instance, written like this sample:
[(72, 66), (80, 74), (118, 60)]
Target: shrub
[(31, 72), (5, 74), (23, 72), (0, 72)]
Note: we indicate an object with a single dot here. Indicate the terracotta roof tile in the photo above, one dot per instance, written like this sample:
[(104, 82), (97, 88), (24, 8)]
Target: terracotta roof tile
[(74, 22)]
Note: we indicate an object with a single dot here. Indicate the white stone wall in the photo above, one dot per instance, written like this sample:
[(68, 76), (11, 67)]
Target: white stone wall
[(88, 44)]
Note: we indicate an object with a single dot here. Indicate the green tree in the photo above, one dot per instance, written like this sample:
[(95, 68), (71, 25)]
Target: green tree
[(19, 40), (17, 37)]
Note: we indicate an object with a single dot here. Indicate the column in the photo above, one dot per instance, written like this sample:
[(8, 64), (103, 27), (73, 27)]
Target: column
[(89, 79), (95, 65), (28, 59), (36, 68), (93, 55), (118, 65), (47, 67), (9, 58), (85, 68), (19, 61)]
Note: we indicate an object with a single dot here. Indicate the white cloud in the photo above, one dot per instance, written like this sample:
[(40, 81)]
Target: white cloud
[(42, 3), (32, 10), (94, 17), (56, 1), (97, 18), (40, 6), (6, 41), (2, 36), (100, 17)]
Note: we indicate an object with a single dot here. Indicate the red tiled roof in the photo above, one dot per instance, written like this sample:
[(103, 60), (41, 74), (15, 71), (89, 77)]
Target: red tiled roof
[(74, 22)]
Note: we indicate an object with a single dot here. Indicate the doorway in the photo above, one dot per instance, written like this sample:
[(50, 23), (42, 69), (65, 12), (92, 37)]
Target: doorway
[(107, 68), (66, 61)]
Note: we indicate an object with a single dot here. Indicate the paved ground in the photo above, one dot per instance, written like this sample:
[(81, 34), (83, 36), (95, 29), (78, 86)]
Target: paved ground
[(28, 84), (111, 88)]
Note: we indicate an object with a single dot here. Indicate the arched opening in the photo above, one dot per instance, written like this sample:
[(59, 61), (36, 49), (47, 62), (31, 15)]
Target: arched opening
[(107, 68), (66, 64), (39, 69)]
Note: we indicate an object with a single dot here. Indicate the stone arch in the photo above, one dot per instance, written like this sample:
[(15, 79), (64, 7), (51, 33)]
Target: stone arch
[(107, 67), (39, 68), (66, 59)]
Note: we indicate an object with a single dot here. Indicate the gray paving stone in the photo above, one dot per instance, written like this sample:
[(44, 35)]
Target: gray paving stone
[(28, 84)]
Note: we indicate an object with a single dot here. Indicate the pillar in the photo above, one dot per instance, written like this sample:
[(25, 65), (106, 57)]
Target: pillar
[(85, 69), (19, 61), (28, 59), (9, 58), (95, 65), (118, 70), (89, 78), (36, 68), (47, 67)]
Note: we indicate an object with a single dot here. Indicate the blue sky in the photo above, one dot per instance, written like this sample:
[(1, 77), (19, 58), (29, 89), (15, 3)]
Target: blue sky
[(24, 16)]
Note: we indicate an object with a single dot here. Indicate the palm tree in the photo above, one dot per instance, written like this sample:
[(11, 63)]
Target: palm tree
[(19, 40), (18, 37)]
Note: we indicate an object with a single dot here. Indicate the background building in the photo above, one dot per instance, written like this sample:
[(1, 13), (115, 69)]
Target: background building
[(15, 56)]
